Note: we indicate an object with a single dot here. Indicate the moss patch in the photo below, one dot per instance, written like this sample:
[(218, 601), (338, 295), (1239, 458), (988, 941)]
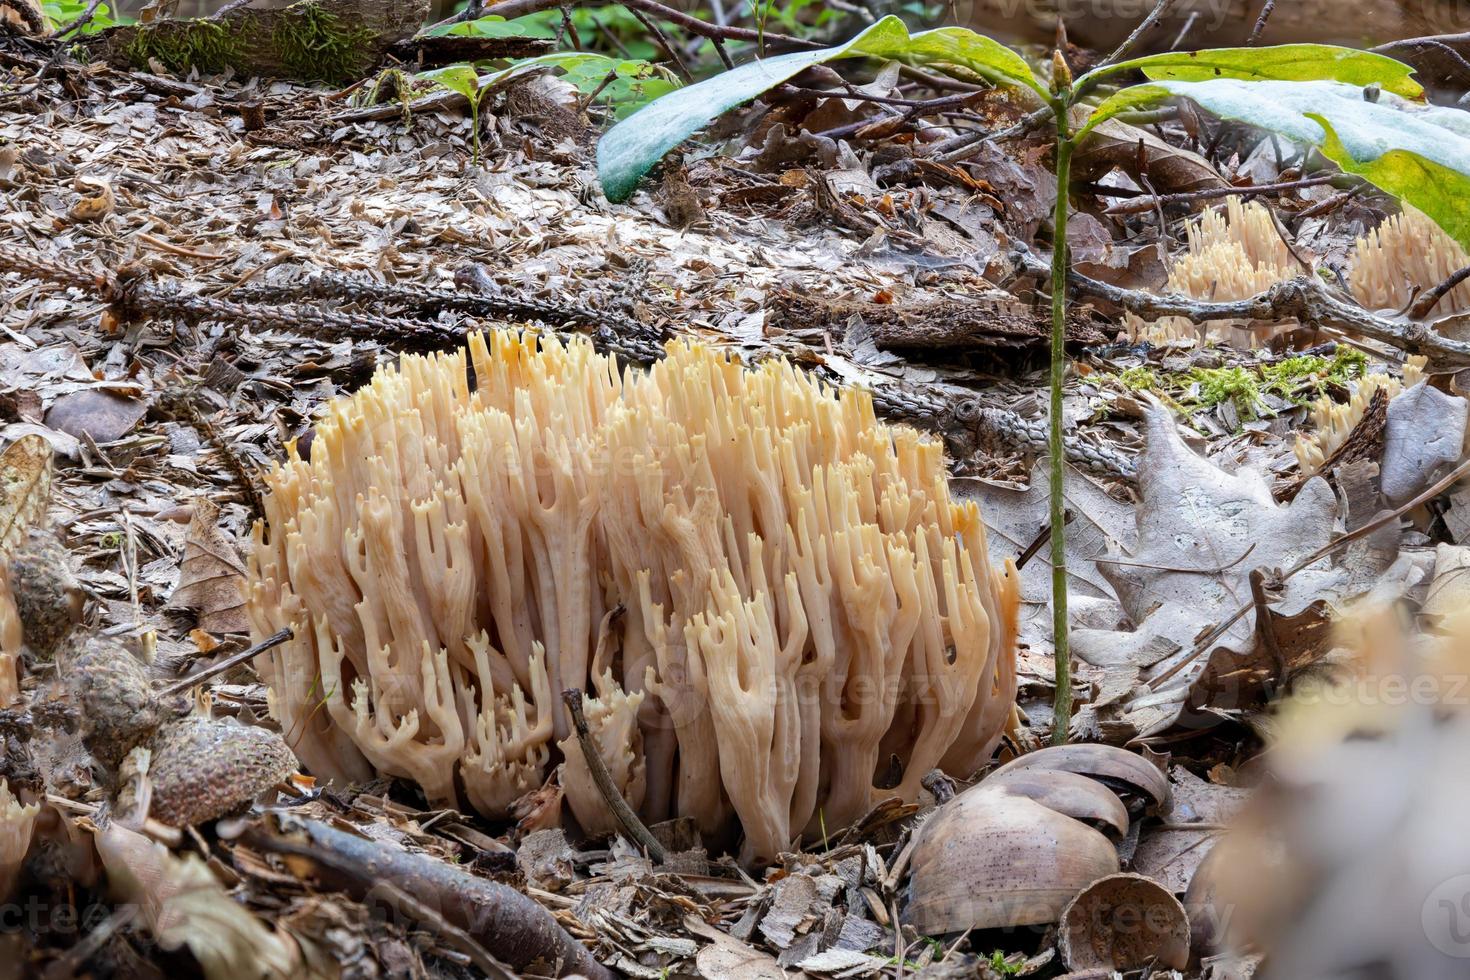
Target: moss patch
[(315, 44), (207, 45)]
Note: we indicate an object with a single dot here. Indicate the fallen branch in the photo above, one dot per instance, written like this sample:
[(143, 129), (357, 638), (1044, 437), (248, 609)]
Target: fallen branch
[(1306, 299), (497, 918)]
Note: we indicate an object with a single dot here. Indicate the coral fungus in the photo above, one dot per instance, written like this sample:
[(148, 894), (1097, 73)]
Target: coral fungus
[(804, 602)]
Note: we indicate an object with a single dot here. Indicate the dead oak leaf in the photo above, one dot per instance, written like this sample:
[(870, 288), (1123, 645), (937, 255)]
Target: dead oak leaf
[(211, 576), (1201, 532)]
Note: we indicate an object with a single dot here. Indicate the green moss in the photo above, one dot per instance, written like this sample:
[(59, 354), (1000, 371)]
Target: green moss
[(315, 44), (1139, 378), (1214, 386), (180, 45)]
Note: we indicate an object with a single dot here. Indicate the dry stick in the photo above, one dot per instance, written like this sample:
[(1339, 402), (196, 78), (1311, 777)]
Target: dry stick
[(1384, 518), (1260, 27), (1142, 203), (234, 659), (508, 925), (636, 830), (1036, 543), (1144, 26), (79, 23), (1305, 298), (1430, 299), (662, 40)]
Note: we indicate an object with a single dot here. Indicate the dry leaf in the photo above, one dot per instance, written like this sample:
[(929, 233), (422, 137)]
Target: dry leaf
[(1201, 531), (96, 206), (211, 576), (727, 958), (25, 489)]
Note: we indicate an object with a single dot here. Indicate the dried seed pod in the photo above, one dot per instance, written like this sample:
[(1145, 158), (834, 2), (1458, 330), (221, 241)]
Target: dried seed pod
[(1124, 922), (1106, 763), (993, 859), (113, 696), (204, 768)]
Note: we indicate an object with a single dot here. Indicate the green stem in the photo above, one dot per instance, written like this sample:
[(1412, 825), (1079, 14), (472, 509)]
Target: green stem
[(1062, 703)]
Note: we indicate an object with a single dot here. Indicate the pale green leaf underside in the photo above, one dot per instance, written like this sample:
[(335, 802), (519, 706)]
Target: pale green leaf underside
[(633, 146), (1283, 62), (1420, 155)]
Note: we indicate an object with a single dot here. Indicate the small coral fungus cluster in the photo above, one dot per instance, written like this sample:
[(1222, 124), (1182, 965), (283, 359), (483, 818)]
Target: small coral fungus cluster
[(1237, 252), (808, 620), (1233, 253)]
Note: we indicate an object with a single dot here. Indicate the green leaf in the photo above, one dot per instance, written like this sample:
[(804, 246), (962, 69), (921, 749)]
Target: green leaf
[(1441, 192), (1284, 62), (457, 78), (1419, 154), (631, 148)]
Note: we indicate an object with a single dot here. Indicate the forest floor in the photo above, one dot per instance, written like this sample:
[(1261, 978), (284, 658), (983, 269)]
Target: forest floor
[(159, 424)]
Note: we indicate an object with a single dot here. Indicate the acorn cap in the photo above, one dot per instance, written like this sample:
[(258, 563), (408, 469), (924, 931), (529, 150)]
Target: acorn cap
[(204, 768), (113, 696)]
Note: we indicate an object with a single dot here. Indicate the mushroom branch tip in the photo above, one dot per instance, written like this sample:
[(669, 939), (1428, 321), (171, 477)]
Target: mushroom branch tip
[(762, 589)]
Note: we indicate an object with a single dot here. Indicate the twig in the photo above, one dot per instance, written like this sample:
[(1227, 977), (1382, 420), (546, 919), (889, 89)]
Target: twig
[(79, 23), (507, 924), (1029, 552), (1144, 26), (1260, 27), (954, 150), (1304, 298), (634, 827), (662, 40), (234, 659), (1431, 298), (1142, 203)]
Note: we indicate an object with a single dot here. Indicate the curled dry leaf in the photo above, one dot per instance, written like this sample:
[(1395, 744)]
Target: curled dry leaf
[(1124, 922), (211, 576), (182, 904), (97, 202)]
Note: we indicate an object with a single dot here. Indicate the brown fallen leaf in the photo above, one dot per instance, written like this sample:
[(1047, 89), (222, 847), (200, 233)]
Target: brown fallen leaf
[(95, 206), (211, 576), (25, 489), (1139, 153), (103, 415)]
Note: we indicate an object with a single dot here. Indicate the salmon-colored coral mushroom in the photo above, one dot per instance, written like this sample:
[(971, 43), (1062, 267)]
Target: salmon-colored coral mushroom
[(803, 600)]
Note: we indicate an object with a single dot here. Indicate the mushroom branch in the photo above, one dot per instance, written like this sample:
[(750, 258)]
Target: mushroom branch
[(804, 602)]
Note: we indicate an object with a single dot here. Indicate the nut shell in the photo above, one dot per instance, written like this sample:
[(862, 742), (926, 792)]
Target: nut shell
[(1124, 922), (46, 594)]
